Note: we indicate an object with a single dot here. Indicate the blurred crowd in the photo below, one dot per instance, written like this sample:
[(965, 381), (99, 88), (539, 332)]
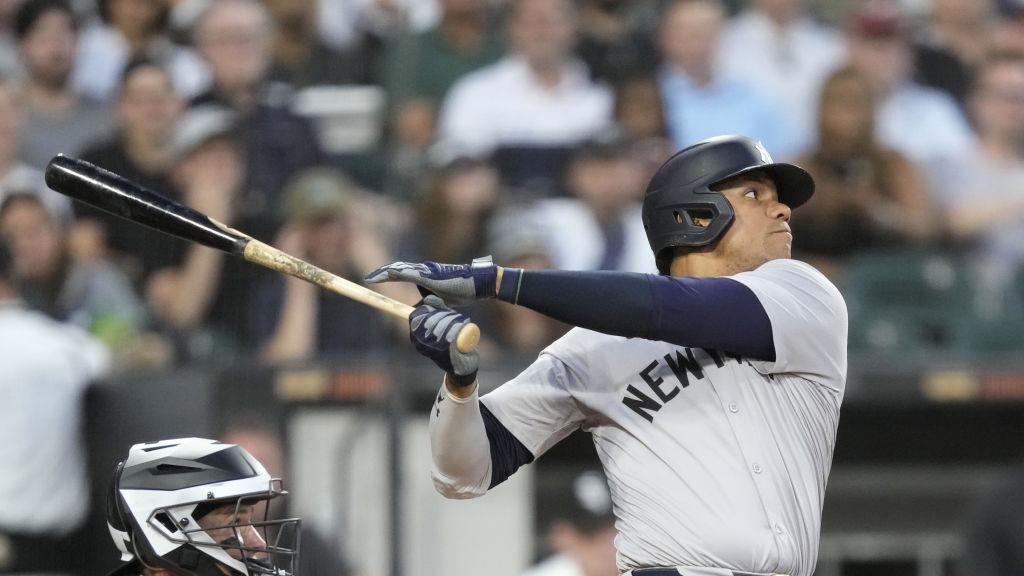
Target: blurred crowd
[(356, 132), (353, 133)]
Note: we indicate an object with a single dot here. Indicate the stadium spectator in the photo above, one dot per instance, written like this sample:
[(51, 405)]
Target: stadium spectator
[(615, 38), (776, 47), (344, 23), (1008, 33), (235, 39), (44, 487), (94, 296), (599, 226), (421, 67), (56, 118), (11, 67), (300, 58), (868, 196), (639, 117), (147, 109), (130, 29), (952, 45), (537, 100), (452, 215), (580, 528), (326, 224), (418, 71), (982, 192), (699, 101), (923, 123), (15, 175), (204, 298)]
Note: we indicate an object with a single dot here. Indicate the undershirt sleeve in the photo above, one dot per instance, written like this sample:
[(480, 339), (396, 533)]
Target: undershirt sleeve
[(712, 313), (507, 453)]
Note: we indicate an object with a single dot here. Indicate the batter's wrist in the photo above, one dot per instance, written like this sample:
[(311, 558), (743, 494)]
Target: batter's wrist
[(508, 287), (459, 391)]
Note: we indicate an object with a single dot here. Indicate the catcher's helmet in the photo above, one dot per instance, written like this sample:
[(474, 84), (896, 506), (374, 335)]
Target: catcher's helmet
[(189, 506), (682, 190)]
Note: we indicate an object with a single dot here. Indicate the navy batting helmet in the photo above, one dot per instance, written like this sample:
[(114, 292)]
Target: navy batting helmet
[(683, 189)]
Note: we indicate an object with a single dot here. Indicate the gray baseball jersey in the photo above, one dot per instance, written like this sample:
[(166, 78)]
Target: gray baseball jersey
[(712, 460)]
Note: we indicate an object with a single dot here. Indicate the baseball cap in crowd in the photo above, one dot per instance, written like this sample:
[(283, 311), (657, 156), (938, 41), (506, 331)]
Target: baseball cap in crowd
[(877, 20), (199, 125), (516, 232), (583, 500), (318, 193)]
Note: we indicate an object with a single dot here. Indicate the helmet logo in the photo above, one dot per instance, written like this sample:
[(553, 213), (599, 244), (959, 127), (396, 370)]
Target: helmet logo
[(763, 152)]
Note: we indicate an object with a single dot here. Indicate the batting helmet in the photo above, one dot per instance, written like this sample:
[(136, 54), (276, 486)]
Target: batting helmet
[(189, 506), (683, 189)]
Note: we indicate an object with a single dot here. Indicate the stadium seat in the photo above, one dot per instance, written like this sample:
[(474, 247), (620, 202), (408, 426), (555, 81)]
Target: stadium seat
[(904, 301), (997, 325)]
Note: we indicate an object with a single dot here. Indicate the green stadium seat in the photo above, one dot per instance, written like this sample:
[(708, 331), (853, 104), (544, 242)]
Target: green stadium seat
[(903, 301)]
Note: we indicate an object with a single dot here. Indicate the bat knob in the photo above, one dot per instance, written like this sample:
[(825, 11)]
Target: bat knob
[(468, 338)]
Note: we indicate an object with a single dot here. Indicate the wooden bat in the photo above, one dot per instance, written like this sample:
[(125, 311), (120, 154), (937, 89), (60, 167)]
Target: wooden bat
[(107, 191)]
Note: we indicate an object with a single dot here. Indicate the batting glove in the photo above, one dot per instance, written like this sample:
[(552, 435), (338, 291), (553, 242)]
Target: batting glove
[(433, 328), (456, 284)]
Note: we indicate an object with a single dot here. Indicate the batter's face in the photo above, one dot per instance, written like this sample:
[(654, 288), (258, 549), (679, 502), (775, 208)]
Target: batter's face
[(760, 230)]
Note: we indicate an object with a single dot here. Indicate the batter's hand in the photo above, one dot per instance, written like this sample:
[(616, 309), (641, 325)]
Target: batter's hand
[(433, 328), (456, 284)]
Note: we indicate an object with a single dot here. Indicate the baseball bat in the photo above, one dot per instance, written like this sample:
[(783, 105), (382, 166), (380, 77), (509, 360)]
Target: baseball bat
[(112, 193)]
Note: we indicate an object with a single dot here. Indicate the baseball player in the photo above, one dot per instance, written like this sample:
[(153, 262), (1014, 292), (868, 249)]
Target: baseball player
[(712, 390), (196, 507)]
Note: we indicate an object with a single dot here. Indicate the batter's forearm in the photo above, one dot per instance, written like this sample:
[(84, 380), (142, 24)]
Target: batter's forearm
[(459, 446)]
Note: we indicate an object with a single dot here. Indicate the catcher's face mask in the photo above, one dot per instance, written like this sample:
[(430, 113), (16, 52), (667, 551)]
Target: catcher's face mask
[(237, 534)]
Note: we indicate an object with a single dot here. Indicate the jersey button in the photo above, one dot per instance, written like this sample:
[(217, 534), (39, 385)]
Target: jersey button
[(733, 407), (779, 529), (756, 468)]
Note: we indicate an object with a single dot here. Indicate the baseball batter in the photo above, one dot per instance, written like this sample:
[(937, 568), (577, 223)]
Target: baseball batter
[(712, 391)]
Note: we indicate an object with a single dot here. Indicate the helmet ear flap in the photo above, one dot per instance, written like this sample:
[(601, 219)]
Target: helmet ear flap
[(117, 517), (119, 506), (698, 218)]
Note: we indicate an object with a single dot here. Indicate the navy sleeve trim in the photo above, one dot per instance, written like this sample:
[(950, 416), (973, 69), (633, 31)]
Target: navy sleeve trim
[(713, 313), (507, 452)]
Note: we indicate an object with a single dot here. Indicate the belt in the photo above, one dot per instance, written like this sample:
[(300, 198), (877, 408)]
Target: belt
[(694, 571)]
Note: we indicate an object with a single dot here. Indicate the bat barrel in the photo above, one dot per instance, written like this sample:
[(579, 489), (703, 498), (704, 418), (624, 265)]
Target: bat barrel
[(107, 191)]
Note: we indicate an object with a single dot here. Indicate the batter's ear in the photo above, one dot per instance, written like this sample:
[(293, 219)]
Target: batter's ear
[(697, 217)]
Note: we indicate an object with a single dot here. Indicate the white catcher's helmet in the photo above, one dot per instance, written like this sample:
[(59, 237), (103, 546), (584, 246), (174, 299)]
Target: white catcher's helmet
[(186, 506)]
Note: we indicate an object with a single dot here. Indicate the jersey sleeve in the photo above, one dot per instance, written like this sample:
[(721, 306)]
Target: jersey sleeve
[(538, 406), (809, 321)]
